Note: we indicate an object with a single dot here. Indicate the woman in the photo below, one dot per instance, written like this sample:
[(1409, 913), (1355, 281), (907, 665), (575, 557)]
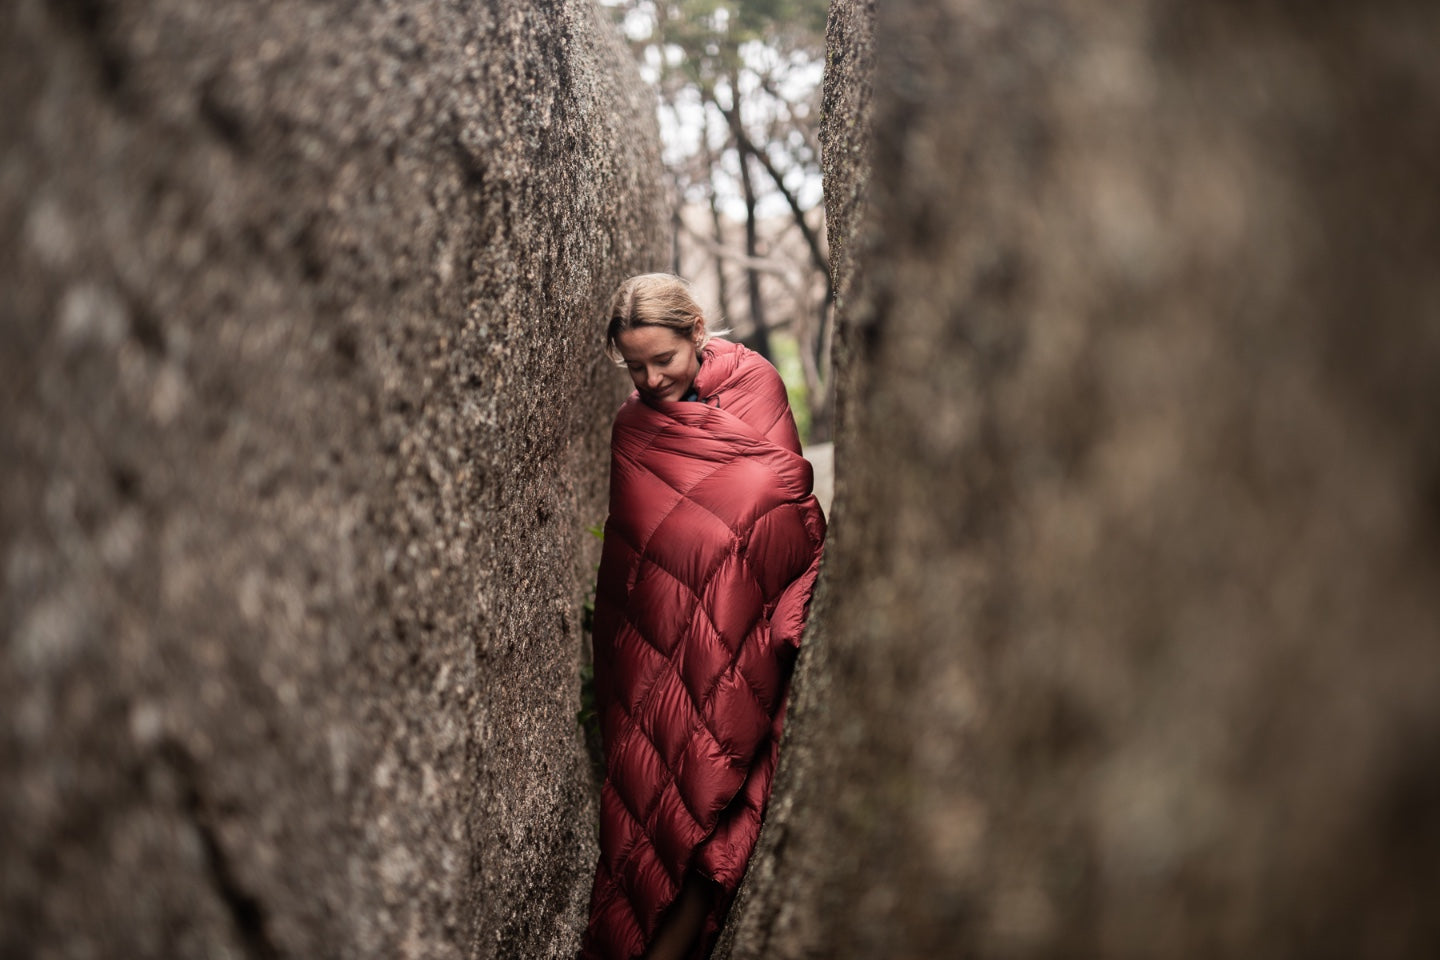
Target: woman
[(710, 556)]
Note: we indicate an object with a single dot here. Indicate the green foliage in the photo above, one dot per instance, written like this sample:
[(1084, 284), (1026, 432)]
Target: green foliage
[(588, 717), (707, 34), (787, 360)]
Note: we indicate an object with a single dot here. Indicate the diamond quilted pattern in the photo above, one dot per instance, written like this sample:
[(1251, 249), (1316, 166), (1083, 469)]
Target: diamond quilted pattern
[(618, 835), (740, 491), (733, 599), (707, 774), (638, 771), (668, 718), (660, 607), (705, 657), (737, 717), (763, 664), (778, 549), (690, 543), (643, 504), (675, 830), (710, 557)]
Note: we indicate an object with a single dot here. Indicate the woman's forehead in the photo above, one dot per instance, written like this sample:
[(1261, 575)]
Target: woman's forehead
[(644, 342)]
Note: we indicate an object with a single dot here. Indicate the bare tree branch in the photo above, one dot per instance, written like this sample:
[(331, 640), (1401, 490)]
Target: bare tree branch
[(817, 255), (766, 265)]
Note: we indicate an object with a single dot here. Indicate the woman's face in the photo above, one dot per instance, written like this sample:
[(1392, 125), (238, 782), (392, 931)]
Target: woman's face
[(661, 361)]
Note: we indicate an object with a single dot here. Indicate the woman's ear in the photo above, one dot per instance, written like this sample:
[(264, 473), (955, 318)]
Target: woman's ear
[(697, 333)]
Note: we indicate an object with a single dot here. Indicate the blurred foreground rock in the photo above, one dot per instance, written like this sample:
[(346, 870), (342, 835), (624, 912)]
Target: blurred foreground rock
[(302, 421), (1127, 645)]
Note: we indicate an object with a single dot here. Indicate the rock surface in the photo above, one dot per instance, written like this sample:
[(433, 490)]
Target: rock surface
[(303, 418), (1126, 645)]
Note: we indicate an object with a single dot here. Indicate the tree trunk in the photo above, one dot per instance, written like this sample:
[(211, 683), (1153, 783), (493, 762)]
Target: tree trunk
[(677, 225), (759, 338), (717, 223)]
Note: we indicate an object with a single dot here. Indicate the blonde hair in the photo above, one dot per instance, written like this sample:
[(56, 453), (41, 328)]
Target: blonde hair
[(653, 300)]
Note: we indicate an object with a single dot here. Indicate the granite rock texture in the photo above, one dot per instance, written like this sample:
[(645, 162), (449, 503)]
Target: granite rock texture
[(302, 421), (1127, 639)]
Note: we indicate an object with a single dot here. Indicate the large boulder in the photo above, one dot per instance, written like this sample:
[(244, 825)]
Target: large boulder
[(302, 422), (1127, 643)]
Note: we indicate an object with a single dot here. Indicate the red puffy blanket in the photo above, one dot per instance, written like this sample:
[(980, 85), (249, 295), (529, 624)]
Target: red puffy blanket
[(710, 556)]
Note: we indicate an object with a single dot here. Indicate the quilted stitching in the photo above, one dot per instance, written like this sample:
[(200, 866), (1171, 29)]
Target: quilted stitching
[(712, 534)]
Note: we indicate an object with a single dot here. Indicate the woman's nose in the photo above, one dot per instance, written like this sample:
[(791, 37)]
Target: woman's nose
[(652, 379)]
